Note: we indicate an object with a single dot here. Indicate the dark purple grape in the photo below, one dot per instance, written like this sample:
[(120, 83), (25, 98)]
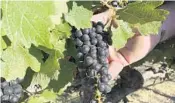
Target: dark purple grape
[(93, 48), (102, 60), (101, 87), (109, 76), (78, 33), (78, 42), (17, 89), (92, 73), (94, 41), (100, 24), (107, 89), (86, 31), (114, 3), (93, 101), (5, 98), (93, 55), (92, 30), (87, 43), (13, 82), (85, 37), (101, 44), (1, 93), (88, 61), (14, 99), (97, 67), (92, 35), (101, 52), (104, 71), (4, 84), (85, 49), (19, 80), (104, 79), (99, 29), (99, 37), (79, 55), (8, 90)]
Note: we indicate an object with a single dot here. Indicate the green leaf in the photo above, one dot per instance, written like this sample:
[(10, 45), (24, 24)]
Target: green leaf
[(50, 65), (79, 17), (39, 80), (62, 31), (48, 95), (36, 53), (35, 99), (143, 12), (65, 76), (28, 22), (16, 60), (121, 34), (148, 28), (70, 48)]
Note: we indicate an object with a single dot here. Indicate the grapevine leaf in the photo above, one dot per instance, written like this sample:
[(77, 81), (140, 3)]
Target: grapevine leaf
[(121, 34), (79, 17), (16, 58), (65, 76), (143, 12), (39, 82), (28, 22), (36, 53), (50, 65), (48, 95), (64, 88), (34, 99), (61, 8), (148, 28), (86, 4), (61, 31), (71, 50)]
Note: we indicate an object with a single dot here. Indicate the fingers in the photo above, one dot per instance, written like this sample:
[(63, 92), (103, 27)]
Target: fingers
[(101, 17), (115, 68)]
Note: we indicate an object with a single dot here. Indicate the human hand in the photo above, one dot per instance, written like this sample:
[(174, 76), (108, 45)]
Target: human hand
[(135, 49)]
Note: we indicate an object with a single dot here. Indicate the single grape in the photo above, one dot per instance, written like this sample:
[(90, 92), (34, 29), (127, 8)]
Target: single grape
[(100, 24), (5, 98), (107, 89), (99, 29), (85, 49), (101, 44), (101, 87), (19, 80), (78, 42), (87, 43), (92, 35), (93, 49), (94, 41), (104, 71), (93, 101), (114, 3), (86, 31), (99, 37), (79, 55), (78, 33), (101, 52), (17, 89), (104, 79), (92, 73), (97, 67), (102, 60), (93, 55), (88, 61), (13, 82), (85, 37), (92, 30), (14, 99), (4, 84), (8, 90), (1, 93), (109, 76)]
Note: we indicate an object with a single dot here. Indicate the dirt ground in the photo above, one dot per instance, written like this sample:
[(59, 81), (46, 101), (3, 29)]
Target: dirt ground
[(162, 92)]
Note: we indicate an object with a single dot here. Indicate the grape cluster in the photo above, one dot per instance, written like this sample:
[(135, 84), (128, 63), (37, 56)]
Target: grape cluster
[(12, 91), (92, 57)]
